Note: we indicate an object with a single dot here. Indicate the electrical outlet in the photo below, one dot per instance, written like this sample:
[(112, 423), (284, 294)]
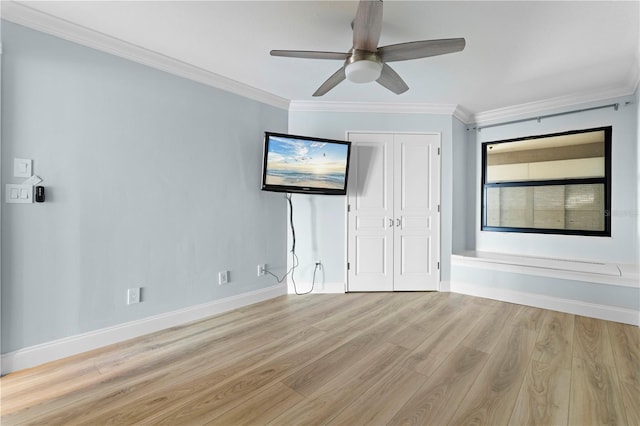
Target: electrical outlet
[(262, 269), (133, 296), (223, 277)]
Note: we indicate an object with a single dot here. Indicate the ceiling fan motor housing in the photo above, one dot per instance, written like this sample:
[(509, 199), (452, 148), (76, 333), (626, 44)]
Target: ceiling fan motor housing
[(363, 67)]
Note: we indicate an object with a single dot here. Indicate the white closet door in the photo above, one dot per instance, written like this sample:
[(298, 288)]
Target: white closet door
[(393, 241), (416, 198), (371, 224)]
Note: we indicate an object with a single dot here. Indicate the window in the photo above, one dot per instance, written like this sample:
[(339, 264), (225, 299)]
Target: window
[(549, 184)]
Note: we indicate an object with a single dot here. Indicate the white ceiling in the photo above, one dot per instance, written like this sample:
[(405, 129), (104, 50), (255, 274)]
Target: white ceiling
[(517, 52)]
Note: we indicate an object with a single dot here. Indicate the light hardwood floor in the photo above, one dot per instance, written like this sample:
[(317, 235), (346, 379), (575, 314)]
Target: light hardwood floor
[(364, 358)]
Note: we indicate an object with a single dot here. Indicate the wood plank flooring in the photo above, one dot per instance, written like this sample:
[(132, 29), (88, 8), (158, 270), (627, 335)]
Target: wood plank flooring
[(348, 359)]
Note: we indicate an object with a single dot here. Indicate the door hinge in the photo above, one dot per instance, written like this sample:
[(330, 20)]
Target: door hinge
[(348, 266), (438, 208), (438, 151), (348, 208), (438, 265)]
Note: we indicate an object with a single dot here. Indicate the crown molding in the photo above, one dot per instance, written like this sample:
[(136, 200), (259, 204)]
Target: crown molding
[(463, 115), (21, 14), (386, 108), (371, 107), (532, 108)]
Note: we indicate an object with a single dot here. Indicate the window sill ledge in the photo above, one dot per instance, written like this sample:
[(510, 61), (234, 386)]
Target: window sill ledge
[(625, 275)]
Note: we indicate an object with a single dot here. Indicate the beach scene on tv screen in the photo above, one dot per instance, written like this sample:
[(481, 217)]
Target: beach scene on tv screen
[(304, 163)]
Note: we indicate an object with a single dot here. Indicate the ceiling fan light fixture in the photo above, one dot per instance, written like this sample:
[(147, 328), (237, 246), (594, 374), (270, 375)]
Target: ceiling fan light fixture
[(363, 71), (366, 62)]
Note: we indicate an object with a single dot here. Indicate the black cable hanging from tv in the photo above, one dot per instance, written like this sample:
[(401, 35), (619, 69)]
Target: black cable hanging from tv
[(294, 256)]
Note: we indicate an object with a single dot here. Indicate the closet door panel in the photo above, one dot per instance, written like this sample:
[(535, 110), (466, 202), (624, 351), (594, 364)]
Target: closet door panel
[(416, 189), (370, 216)]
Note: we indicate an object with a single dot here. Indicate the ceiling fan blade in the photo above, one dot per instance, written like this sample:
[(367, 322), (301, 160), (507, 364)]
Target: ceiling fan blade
[(337, 78), (367, 25), (310, 54), (391, 80), (420, 49)]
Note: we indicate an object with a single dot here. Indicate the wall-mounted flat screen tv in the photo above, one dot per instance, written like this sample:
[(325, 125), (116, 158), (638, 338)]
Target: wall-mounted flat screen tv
[(304, 164)]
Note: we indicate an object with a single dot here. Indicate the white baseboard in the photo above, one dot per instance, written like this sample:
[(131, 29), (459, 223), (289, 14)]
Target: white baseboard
[(318, 288), (61, 348), (605, 312)]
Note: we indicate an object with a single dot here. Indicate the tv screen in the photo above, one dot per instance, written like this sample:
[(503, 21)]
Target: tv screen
[(305, 164)]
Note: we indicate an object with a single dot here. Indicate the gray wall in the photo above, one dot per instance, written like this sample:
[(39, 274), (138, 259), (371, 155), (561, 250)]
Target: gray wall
[(461, 187), (152, 181), (637, 137), (1, 192)]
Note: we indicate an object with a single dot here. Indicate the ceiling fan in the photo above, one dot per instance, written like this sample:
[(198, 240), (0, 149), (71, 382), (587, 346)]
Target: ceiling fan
[(365, 61)]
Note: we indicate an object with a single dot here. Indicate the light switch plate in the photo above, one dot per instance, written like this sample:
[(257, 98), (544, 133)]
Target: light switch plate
[(15, 193), (22, 167)]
